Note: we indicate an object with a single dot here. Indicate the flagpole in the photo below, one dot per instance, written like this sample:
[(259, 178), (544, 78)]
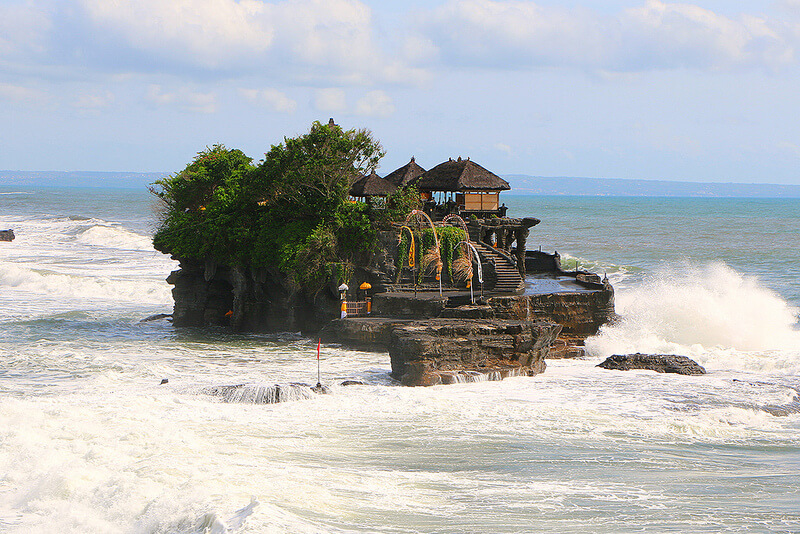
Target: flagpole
[(319, 381)]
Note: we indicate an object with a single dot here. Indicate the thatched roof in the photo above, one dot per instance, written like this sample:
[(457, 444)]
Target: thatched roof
[(408, 172), (460, 175), (372, 186)]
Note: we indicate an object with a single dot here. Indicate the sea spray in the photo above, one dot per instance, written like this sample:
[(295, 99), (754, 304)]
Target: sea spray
[(711, 312)]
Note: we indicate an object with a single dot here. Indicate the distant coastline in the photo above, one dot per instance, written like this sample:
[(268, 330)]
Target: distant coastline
[(521, 184), (91, 179), (573, 186)]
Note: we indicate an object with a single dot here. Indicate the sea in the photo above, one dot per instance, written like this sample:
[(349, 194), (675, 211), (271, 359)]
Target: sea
[(113, 425)]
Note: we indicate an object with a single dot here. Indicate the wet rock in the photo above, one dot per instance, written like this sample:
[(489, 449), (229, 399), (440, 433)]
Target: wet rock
[(6, 235), (261, 394), (156, 317), (429, 352), (661, 363), (353, 383), (468, 311), (320, 389)]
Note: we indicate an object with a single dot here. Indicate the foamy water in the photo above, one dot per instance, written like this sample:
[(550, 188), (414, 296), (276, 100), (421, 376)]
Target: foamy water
[(91, 441)]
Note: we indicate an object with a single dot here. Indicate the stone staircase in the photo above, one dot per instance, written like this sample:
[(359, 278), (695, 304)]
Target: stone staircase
[(508, 278)]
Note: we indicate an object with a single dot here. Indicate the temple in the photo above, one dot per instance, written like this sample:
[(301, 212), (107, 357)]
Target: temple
[(454, 187)]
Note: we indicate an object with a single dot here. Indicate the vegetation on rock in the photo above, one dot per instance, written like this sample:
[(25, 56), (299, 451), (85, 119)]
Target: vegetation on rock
[(290, 211), (448, 236)]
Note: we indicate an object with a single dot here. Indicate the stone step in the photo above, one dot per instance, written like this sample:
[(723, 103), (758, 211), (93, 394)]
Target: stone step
[(508, 277)]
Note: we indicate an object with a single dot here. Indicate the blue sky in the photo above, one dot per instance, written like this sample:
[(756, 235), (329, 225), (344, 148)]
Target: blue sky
[(693, 91)]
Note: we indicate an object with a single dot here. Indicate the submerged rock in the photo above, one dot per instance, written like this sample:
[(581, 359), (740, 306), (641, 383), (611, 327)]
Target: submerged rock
[(353, 383), (661, 363), (261, 394), (156, 317), (6, 235)]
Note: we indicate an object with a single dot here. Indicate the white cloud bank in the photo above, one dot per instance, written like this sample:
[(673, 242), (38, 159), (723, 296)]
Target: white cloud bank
[(184, 99), (375, 104), (271, 99), (300, 40), (336, 42), (656, 35), (330, 99)]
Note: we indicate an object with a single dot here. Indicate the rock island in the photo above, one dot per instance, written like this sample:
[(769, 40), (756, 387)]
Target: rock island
[(422, 263)]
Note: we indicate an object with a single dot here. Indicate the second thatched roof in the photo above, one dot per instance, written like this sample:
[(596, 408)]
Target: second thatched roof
[(405, 174), (372, 186), (460, 175)]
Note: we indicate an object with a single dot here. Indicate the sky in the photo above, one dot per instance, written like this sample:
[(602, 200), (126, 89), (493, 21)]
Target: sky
[(703, 91)]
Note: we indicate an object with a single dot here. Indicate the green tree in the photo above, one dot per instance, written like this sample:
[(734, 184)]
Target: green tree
[(290, 211)]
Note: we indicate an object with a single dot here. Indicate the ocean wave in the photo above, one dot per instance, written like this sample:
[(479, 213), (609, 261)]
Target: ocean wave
[(712, 313), (101, 235), (33, 281)]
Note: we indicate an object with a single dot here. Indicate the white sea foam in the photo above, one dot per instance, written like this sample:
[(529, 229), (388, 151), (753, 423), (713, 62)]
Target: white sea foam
[(36, 281), (712, 312), (93, 444), (114, 237)]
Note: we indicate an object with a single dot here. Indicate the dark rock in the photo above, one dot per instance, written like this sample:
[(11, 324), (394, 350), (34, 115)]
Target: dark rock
[(581, 313), (6, 235), (353, 383), (264, 300), (164, 381), (468, 311), (662, 363), (403, 304), (429, 352), (258, 394), (361, 332), (156, 317), (320, 389)]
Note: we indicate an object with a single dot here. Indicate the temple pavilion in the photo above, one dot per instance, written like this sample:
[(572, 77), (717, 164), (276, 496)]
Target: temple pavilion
[(461, 186), (371, 187), (458, 186)]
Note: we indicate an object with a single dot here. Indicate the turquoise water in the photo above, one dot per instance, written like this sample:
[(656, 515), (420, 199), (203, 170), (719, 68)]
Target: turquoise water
[(758, 237), (91, 442)]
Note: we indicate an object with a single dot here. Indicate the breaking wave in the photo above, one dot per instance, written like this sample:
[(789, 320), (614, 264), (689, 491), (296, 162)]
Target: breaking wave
[(40, 281), (721, 317), (114, 237)]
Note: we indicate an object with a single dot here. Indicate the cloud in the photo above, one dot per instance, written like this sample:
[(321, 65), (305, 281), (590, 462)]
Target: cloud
[(504, 148), (298, 40), (375, 104), (330, 99), (94, 101), (791, 148), (18, 93), (24, 27), (184, 99), (655, 35), (271, 99), (206, 34)]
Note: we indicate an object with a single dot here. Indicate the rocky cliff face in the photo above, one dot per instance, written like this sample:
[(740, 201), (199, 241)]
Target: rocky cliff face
[(580, 313), (209, 294)]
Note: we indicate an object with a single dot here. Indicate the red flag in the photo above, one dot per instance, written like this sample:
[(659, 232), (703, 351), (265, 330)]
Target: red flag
[(319, 341)]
